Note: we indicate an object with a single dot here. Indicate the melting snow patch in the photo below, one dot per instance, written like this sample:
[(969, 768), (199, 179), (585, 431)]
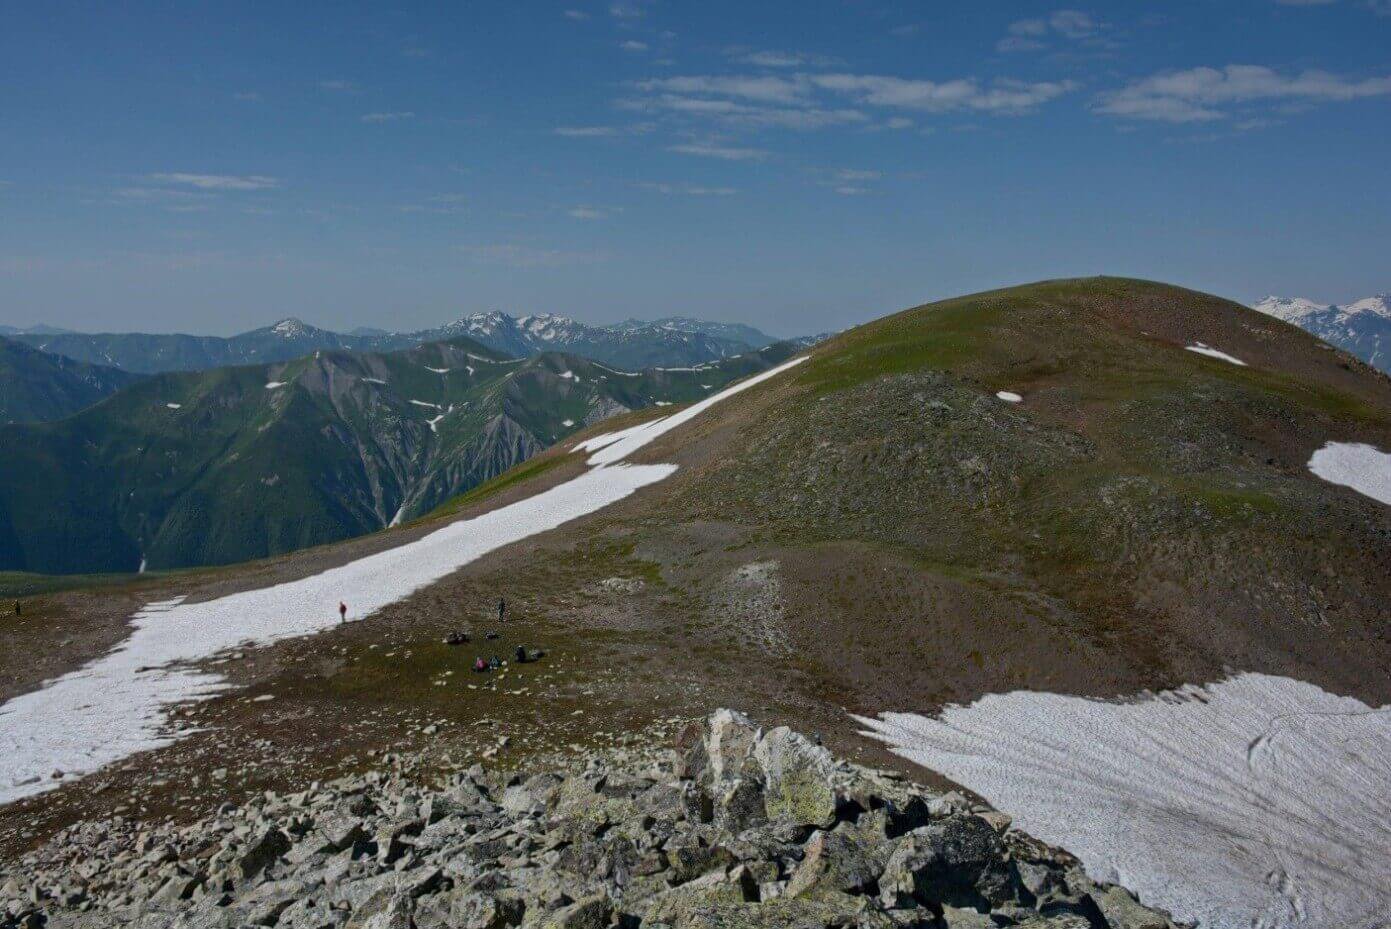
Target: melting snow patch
[(1211, 352), (433, 406), (118, 705), (438, 370), (617, 446), (1009, 396), (1257, 801), (373, 380), (271, 385), (1356, 465), (568, 423), (618, 372), (175, 406)]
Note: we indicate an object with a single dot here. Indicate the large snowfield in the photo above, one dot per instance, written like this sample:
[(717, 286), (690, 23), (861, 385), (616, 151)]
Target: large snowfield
[(118, 705), (1258, 802)]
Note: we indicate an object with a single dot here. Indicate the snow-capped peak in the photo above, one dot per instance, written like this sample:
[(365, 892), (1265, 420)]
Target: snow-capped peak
[(1289, 309), (290, 328), (1380, 305)]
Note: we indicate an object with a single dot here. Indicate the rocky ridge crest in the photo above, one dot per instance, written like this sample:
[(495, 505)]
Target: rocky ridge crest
[(737, 827)]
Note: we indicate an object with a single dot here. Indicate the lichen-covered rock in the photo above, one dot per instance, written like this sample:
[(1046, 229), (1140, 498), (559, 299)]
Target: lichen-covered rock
[(798, 778), (1122, 911), (729, 744), (742, 828), (959, 862), (836, 862)]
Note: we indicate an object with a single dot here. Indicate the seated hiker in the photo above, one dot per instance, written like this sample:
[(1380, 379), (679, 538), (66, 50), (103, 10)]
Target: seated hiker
[(491, 635), (495, 663), (521, 655), (479, 664)]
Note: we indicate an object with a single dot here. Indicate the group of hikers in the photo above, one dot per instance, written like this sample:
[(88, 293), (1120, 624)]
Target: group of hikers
[(480, 665)]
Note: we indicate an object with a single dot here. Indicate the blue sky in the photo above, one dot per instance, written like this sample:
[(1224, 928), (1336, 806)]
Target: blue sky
[(214, 167)]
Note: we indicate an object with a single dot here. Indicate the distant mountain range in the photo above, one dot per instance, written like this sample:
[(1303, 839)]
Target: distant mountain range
[(1361, 328), (36, 386), (631, 345), (219, 466)]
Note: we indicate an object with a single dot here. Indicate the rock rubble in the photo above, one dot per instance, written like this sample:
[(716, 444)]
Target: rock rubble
[(738, 827)]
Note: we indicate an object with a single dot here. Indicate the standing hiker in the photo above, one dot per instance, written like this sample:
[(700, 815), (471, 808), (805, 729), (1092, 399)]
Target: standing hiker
[(342, 612), (501, 610)]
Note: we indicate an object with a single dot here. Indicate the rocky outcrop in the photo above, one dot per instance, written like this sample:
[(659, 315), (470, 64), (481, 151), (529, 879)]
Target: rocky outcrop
[(738, 827)]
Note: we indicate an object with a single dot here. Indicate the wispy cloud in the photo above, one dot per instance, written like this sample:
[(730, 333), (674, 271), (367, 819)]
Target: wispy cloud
[(769, 58), (586, 132), (526, 256), (441, 204), (1210, 94), (246, 96), (628, 9), (1066, 25), (576, 15), (221, 182), (690, 190), (1002, 97), (588, 212), (722, 152), (763, 88), (808, 101), (337, 86), (633, 45), (389, 117)]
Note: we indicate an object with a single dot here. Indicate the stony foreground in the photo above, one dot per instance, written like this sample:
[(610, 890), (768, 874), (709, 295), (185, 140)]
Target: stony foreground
[(738, 827)]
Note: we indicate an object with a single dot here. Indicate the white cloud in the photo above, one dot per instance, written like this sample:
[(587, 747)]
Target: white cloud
[(576, 14), (770, 58), (722, 152), (743, 114), (216, 181), (1033, 34), (851, 191), (633, 45), (585, 132), (810, 101), (763, 88), (441, 204), (1073, 24), (690, 190), (337, 85), (587, 212), (1208, 94), (526, 256), (857, 174), (389, 117), (1003, 97)]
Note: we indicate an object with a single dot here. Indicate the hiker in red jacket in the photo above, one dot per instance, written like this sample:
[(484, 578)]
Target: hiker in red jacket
[(342, 612)]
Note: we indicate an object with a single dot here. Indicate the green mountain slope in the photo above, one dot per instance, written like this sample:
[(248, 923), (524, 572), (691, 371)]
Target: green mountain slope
[(37, 387), (238, 463)]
